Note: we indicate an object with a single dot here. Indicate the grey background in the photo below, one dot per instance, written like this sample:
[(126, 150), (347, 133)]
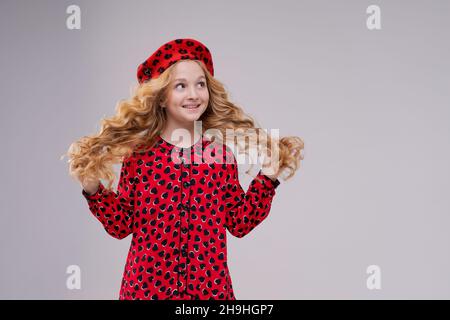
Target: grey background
[(371, 106)]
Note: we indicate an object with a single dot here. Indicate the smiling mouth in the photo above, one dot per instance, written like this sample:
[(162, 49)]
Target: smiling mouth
[(191, 106)]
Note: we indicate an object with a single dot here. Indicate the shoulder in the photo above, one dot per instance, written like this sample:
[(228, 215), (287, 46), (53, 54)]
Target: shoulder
[(131, 160)]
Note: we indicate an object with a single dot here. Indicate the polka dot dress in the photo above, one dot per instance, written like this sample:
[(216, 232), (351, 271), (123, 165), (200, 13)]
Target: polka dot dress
[(177, 203)]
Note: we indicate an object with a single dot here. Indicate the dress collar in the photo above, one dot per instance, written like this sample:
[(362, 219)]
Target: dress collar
[(199, 144), (168, 144)]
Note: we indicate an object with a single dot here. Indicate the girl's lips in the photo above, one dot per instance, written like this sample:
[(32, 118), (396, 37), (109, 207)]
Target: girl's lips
[(190, 106)]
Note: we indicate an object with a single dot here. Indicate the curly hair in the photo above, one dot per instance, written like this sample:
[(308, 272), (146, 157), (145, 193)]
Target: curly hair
[(140, 119)]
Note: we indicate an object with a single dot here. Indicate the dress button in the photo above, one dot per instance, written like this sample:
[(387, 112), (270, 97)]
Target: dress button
[(186, 184), (184, 230)]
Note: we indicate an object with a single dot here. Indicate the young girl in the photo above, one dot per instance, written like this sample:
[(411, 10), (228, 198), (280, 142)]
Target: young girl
[(177, 207)]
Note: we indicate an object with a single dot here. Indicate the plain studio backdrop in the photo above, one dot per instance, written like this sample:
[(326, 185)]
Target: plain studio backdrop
[(371, 105)]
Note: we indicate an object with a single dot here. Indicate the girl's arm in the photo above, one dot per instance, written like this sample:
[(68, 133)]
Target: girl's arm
[(116, 210), (245, 210)]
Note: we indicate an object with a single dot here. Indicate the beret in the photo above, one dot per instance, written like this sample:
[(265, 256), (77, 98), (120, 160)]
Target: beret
[(171, 52)]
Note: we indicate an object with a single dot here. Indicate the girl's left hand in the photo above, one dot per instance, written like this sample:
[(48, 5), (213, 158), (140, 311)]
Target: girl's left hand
[(269, 169)]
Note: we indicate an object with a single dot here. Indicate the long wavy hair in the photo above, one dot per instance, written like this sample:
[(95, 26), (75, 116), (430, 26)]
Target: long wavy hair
[(139, 120)]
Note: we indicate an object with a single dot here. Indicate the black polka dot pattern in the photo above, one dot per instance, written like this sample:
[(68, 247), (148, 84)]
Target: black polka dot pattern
[(178, 203)]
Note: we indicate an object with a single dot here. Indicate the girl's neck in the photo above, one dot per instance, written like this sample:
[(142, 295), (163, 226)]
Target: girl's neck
[(181, 139)]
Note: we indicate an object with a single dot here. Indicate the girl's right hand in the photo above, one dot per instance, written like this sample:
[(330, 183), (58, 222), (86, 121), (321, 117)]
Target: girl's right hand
[(90, 186)]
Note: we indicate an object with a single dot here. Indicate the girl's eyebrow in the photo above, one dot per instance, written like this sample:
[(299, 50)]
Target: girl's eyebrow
[(186, 80)]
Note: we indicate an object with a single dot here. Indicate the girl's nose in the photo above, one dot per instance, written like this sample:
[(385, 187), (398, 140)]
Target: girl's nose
[(193, 92)]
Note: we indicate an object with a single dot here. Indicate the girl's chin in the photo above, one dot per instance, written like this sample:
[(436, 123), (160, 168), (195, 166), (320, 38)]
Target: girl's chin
[(191, 117), (192, 112)]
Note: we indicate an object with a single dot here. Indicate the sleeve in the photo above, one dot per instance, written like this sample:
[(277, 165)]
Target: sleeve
[(245, 210), (116, 210)]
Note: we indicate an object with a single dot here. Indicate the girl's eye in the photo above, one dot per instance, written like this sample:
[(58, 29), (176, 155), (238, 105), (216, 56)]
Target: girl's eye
[(182, 84)]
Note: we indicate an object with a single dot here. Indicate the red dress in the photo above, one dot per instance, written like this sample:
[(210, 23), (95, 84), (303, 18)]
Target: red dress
[(177, 208)]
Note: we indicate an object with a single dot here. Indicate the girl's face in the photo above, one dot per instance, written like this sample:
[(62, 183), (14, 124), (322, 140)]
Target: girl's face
[(188, 94)]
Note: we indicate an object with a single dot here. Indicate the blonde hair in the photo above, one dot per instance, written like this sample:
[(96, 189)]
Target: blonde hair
[(140, 119)]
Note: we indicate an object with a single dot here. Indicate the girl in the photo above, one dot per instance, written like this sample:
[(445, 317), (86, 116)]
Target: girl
[(177, 207)]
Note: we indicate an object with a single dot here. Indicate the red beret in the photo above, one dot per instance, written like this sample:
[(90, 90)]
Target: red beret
[(170, 53)]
